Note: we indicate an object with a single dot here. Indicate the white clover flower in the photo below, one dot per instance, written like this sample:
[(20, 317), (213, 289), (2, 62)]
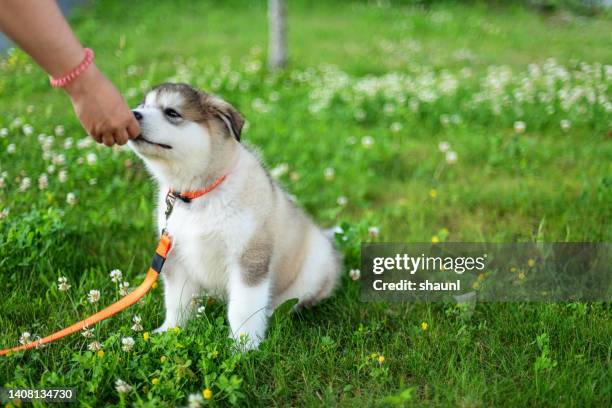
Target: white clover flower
[(93, 296), (27, 129), (565, 125), (62, 284), (4, 213), (279, 170), (59, 130), (80, 160), (294, 176), (396, 127), (10, 149), (71, 198), (25, 338), (373, 232), (444, 147), (84, 142), (355, 274), (201, 310), (451, 157), (444, 120), (51, 169), (59, 159), (520, 126), (359, 114), (91, 159), (127, 344), (195, 401), (116, 275), (342, 201), (4, 132), (122, 387), (93, 181), (351, 140), (43, 181), (137, 326), (329, 173), (124, 288), (68, 143), (88, 333), (25, 184), (62, 176), (367, 141), (94, 346)]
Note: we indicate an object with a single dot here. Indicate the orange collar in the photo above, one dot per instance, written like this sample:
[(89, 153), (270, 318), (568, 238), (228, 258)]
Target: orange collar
[(187, 196)]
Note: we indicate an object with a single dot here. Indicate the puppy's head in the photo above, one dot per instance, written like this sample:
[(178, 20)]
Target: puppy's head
[(185, 132)]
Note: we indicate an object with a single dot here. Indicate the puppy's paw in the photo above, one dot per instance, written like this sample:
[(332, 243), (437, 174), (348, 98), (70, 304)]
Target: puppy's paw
[(163, 328)]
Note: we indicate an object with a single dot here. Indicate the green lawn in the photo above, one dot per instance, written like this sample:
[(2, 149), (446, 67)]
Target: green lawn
[(371, 92)]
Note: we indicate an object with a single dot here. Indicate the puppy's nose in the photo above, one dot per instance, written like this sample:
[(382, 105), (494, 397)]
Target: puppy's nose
[(137, 115)]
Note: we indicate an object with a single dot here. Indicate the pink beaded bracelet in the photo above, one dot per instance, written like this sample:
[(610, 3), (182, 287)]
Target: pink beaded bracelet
[(72, 75)]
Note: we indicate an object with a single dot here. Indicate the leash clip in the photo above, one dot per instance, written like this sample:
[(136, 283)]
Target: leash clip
[(170, 200)]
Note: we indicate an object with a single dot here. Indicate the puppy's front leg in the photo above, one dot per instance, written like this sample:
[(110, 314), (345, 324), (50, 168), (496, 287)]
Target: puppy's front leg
[(249, 294), (178, 293)]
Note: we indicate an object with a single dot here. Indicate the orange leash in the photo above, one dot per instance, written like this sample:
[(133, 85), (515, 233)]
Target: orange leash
[(161, 253)]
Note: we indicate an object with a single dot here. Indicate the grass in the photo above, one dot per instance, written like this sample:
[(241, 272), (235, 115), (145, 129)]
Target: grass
[(406, 77)]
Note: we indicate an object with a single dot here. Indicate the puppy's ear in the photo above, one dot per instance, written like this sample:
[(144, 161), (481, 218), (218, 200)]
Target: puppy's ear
[(229, 115)]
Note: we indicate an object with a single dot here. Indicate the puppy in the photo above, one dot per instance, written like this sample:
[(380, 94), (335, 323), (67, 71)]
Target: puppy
[(244, 240)]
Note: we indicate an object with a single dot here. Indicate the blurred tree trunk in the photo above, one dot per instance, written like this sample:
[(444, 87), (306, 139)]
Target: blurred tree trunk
[(277, 47)]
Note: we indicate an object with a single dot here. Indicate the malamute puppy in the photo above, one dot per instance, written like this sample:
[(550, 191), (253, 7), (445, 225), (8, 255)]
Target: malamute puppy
[(244, 240)]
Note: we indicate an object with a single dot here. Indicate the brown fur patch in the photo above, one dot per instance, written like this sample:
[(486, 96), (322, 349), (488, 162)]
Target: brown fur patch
[(255, 260)]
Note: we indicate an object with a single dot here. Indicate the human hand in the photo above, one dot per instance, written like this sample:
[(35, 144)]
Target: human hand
[(101, 109)]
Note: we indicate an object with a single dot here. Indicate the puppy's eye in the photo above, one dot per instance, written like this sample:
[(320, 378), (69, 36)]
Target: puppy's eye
[(171, 113)]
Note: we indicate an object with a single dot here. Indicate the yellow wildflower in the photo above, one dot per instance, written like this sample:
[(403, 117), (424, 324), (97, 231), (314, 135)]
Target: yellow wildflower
[(100, 353), (207, 393), (163, 359), (521, 275), (424, 326), (155, 381), (433, 193), (145, 336), (531, 263), (154, 286), (435, 239), (373, 356), (381, 359)]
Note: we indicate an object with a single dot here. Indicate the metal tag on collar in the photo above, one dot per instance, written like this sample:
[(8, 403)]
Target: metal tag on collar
[(170, 200)]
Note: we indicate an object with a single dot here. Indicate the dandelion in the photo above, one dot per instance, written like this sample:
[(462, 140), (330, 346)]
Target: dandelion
[(88, 333), (355, 274), (10, 149), (94, 346), (163, 359), (444, 147), (424, 326), (367, 142), (433, 193), (531, 262), (435, 239), (146, 336), (91, 158), (342, 201), (373, 232), (451, 157), (127, 344), (155, 381), (71, 198), (116, 275), (279, 170), (43, 182), (122, 387), (25, 338), (93, 296), (100, 353), (62, 176), (381, 359), (565, 125), (194, 401), (25, 184), (124, 288), (137, 326), (395, 127), (207, 393), (329, 173), (520, 126)]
